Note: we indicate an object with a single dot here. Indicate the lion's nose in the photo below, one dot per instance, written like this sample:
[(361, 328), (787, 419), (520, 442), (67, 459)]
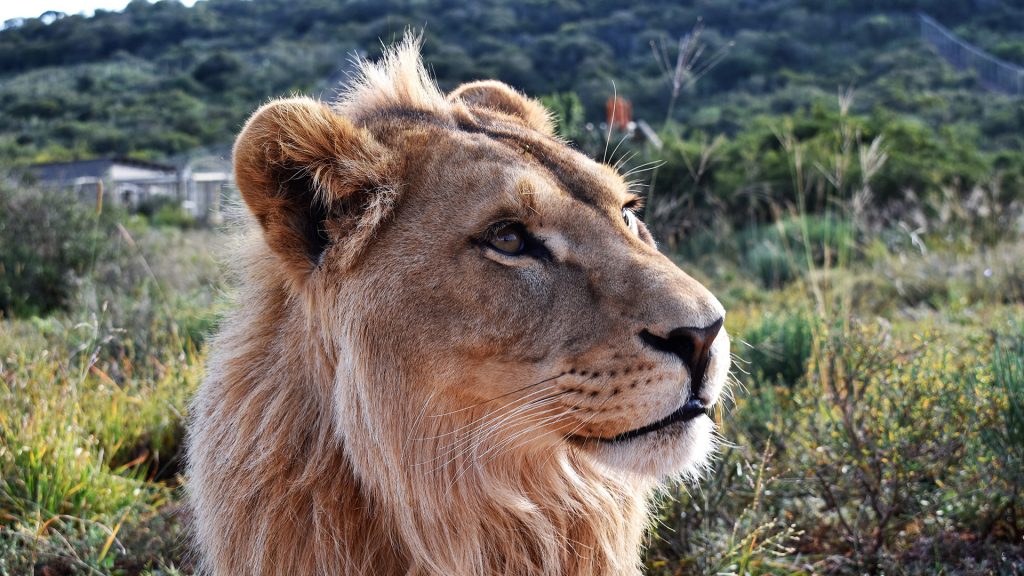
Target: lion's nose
[(691, 345)]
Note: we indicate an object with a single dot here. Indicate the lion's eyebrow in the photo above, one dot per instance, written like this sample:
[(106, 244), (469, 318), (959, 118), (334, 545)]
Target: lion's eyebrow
[(526, 196), (634, 201)]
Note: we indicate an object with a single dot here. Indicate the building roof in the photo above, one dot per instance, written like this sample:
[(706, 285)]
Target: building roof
[(97, 168)]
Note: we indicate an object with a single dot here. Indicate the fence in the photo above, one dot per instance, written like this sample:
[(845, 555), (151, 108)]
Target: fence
[(993, 73)]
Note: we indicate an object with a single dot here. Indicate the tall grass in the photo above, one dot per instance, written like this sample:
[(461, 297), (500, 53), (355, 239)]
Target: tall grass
[(888, 440), (92, 401)]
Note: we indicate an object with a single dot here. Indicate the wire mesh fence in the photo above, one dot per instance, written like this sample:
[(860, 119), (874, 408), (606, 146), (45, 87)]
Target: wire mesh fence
[(994, 73)]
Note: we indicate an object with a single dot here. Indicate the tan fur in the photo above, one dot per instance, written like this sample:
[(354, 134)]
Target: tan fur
[(392, 396)]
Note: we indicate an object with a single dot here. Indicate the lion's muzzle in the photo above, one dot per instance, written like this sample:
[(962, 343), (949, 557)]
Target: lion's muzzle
[(693, 346)]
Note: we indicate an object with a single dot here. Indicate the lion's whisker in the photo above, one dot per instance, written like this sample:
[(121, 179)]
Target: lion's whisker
[(583, 423), (419, 417), (561, 413), (494, 415), (455, 448), (616, 149), (566, 410), (499, 397), (497, 418), (480, 438), (622, 161), (488, 414), (615, 103), (494, 427), (644, 168)]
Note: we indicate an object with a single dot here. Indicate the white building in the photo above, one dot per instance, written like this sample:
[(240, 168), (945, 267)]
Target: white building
[(199, 187)]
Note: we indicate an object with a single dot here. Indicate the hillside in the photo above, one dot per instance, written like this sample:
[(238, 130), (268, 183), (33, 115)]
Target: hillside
[(161, 79)]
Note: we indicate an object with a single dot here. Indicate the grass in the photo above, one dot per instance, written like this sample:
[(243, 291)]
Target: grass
[(887, 427), (91, 411), (875, 425), (878, 393)]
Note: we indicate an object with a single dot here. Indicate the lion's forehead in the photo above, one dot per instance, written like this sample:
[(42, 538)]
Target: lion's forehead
[(492, 157)]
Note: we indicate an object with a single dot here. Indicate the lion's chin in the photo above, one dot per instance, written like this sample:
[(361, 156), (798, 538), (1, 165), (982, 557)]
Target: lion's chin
[(683, 449)]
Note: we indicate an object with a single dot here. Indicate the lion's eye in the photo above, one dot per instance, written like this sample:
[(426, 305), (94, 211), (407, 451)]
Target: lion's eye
[(631, 221), (509, 239)]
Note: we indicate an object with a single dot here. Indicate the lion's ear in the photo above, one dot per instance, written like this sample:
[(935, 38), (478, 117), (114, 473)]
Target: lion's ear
[(502, 98), (309, 176)]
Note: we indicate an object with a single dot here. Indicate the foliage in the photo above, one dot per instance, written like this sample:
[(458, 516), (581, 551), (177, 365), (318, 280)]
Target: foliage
[(92, 403), (160, 79), (887, 424), (729, 527), (777, 349), (79, 451), (868, 254), (891, 438), (173, 215), (746, 178), (48, 241), (567, 111), (1003, 438)]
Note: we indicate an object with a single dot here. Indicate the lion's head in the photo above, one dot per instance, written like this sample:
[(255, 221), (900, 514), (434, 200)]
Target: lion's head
[(466, 301)]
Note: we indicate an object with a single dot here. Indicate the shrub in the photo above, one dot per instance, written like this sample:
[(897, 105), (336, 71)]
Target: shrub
[(48, 241), (729, 527), (92, 403), (568, 113), (173, 215), (779, 253), (83, 436), (882, 439), (1003, 439), (778, 349), (770, 263)]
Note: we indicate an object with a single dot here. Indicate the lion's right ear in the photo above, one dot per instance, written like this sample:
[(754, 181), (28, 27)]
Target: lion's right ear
[(309, 176)]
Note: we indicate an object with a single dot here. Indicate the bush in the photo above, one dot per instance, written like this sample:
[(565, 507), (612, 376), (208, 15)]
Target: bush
[(48, 241), (882, 441), (79, 452), (173, 215), (1003, 439), (92, 408), (779, 253), (729, 527), (568, 113), (771, 263), (778, 349)]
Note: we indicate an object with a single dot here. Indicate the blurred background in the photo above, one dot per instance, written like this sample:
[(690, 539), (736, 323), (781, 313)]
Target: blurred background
[(847, 176)]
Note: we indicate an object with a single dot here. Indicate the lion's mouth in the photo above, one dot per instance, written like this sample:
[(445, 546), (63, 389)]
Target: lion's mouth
[(693, 408)]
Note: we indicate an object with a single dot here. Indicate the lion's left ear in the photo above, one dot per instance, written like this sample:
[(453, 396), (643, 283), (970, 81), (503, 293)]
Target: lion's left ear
[(498, 97)]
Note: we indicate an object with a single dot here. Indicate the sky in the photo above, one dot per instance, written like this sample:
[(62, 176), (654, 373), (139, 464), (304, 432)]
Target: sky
[(33, 8)]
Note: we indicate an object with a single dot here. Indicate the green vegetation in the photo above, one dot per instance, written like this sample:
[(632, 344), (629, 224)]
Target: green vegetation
[(93, 394), (869, 252), (39, 277), (160, 79), (877, 404)]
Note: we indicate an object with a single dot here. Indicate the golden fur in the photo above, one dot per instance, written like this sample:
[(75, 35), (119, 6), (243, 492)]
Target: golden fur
[(393, 395)]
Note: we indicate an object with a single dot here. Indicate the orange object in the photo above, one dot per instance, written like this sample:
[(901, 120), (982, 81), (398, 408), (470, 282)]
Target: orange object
[(619, 112)]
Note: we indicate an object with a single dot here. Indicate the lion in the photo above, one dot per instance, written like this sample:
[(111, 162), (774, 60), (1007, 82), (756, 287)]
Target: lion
[(456, 348)]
